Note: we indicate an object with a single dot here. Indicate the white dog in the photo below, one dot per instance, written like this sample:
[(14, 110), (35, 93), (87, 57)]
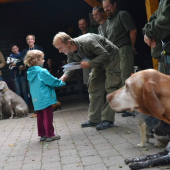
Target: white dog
[(15, 102), (11, 60)]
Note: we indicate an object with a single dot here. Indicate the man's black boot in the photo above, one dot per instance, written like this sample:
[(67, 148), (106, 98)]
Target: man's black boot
[(88, 124), (104, 125)]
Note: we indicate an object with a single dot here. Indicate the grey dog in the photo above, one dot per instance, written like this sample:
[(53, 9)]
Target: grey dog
[(15, 103)]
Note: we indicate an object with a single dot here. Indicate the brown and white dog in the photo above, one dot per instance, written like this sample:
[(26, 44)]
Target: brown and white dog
[(15, 103), (146, 126), (147, 92)]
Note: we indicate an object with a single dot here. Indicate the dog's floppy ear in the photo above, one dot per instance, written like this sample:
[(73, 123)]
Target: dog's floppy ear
[(151, 100), (2, 84)]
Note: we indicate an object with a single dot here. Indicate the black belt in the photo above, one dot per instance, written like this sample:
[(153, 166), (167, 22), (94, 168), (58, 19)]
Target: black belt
[(166, 40)]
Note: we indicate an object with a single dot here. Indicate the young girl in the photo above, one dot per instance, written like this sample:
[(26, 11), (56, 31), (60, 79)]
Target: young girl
[(43, 95), (18, 74)]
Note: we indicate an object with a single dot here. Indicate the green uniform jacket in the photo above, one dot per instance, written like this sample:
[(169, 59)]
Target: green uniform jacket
[(102, 29), (158, 27), (90, 30), (96, 48), (118, 26)]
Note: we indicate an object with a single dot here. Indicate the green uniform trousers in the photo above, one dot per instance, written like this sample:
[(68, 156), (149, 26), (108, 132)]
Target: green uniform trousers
[(164, 68), (127, 62), (103, 80)]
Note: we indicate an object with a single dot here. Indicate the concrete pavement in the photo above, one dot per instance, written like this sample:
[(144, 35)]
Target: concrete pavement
[(78, 149)]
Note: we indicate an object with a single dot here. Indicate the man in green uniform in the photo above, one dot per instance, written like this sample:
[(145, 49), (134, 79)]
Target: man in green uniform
[(84, 27), (122, 32), (98, 15), (157, 33), (103, 58)]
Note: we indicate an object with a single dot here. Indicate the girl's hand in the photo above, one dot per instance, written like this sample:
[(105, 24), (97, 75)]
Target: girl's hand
[(22, 68), (64, 78)]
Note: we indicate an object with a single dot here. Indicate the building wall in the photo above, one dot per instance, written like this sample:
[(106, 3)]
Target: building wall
[(44, 18)]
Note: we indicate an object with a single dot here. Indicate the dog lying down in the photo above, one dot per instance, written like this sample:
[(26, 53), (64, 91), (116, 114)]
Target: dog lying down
[(15, 103), (161, 158), (146, 92)]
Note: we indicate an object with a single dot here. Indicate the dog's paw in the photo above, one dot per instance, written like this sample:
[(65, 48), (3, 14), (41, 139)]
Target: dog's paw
[(133, 166), (127, 161), (140, 145), (158, 144)]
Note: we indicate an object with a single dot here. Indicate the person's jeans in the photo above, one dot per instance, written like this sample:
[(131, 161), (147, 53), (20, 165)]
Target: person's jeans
[(1, 78), (22, 88)]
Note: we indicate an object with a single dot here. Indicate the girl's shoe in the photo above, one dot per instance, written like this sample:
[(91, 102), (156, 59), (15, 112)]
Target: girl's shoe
[(49, 139), (43, 138), (35, 115)]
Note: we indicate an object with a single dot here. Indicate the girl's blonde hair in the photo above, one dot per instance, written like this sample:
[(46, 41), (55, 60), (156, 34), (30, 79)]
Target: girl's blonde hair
[(32, 56)]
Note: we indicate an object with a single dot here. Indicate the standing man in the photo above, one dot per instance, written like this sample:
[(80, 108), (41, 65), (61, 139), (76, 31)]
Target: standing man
[(84, 29), (122, 32), (98, 15), (157, 33), (30, 39), (104, 58)]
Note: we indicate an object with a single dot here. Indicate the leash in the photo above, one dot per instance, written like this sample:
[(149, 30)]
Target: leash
[(4, 90)]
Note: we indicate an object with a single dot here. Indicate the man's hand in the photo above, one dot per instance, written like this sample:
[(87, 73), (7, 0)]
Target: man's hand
[(64, 78), (153, 43), (150, 41), (135, 52), (12, 64), (85, 64), (22, 68)]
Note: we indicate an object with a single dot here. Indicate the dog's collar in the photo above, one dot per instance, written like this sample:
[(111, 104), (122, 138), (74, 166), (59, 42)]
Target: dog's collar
[(2, 91)]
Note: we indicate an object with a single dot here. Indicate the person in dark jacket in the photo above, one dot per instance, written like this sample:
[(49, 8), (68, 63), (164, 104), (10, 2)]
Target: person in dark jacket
[(30, 39), (18, 74)]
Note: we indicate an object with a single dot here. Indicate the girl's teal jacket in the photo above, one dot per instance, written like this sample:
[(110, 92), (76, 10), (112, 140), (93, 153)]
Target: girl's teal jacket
[(42, 85)]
